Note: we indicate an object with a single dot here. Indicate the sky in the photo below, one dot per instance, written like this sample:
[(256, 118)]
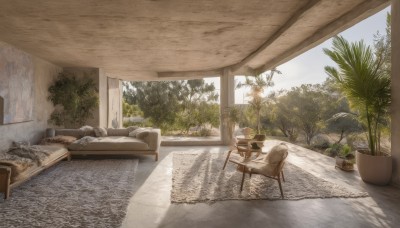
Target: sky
[(308, 68)]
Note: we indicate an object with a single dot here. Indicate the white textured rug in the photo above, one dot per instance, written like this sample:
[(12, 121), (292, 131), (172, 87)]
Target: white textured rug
[(200, 178), (79, 193)]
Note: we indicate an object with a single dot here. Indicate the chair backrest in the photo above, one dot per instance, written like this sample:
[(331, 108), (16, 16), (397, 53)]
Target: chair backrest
[(277, 156)]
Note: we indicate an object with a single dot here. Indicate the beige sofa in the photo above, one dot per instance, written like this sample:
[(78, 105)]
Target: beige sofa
[(117, 142)]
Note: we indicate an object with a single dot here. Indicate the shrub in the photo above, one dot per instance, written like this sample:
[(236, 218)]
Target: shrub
[(205, 132), (321, 141)]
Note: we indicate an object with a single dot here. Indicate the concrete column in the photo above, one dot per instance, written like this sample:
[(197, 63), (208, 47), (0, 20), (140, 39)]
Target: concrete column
[(114, 103), (227, 99), (103, 99), (396, 91)]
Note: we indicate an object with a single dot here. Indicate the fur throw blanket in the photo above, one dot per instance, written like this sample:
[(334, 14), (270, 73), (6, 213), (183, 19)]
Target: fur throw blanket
[(22, 157), (83, 141), (34, 153)]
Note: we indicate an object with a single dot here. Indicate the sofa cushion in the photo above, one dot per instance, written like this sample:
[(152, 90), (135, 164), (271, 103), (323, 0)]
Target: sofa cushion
[(139, 131), (78, 133), (62, 139), (112, 143), (100, 131), (117, 132)]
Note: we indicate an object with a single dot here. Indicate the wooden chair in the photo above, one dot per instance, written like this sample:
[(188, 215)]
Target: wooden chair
[(270, 165), (244, 149)]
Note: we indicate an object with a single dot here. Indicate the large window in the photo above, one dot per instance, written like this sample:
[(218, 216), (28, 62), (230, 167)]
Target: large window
[(185, 108)]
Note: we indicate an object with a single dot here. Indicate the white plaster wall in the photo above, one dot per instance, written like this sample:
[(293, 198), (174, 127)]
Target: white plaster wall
[(33, 131)]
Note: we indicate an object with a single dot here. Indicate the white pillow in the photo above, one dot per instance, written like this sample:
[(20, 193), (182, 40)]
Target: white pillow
[(86, 128), (138, 132)]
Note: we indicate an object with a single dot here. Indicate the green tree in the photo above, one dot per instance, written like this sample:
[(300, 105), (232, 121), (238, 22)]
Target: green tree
[(363, 79), (304, 107), (74, 100), (343, 123), (208, 114), (130, 110), (159, 101), (282, 119), (383, 46), (258, 84), (175, 104), (193, 97)]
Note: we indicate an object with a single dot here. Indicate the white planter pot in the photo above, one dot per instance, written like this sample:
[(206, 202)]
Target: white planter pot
[(374, 169)]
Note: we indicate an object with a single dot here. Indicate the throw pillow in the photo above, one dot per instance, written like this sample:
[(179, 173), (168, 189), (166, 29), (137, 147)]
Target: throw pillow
[(62, 139), (134, 133), (86, 128), (132, 128), (100, 132)]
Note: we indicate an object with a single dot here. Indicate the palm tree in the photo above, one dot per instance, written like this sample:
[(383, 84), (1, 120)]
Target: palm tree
[(363, 80), (257, 85)]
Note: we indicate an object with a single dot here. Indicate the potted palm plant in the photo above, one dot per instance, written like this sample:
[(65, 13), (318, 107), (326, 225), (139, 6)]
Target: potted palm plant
[(364, 81), (345, 158)]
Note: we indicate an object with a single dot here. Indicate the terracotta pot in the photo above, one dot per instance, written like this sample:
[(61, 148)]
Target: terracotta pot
[(374, 169), (344, 164)]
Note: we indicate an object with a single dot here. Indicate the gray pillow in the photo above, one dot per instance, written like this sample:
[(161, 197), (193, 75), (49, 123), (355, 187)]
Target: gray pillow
[(132, 128), (139, 133), (100, 132)]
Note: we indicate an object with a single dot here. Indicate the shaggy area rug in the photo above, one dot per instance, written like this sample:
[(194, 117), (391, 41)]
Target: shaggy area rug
[(79, 193), (200, 178)]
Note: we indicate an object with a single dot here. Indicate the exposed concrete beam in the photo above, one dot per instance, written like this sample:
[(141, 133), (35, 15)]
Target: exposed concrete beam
[(189, 74), (357, 14), (285, 27), (245, 70)]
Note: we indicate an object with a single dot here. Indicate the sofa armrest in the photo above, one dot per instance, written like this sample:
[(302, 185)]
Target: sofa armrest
[(153, 139)]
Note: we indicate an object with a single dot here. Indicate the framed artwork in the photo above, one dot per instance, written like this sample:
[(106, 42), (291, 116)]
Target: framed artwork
[(16, 85)]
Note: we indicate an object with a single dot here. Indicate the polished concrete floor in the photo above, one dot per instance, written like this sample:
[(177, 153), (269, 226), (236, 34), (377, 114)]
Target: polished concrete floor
[(150, 206)]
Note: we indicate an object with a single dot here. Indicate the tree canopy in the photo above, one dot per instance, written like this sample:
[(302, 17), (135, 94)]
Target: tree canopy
[(175, 104)]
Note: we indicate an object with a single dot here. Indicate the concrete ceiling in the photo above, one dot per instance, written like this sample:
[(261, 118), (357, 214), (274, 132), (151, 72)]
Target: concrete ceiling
[(163, 39)]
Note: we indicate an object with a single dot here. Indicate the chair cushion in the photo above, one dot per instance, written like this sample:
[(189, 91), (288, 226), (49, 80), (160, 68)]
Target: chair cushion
[(276, 154), (262, 168)]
